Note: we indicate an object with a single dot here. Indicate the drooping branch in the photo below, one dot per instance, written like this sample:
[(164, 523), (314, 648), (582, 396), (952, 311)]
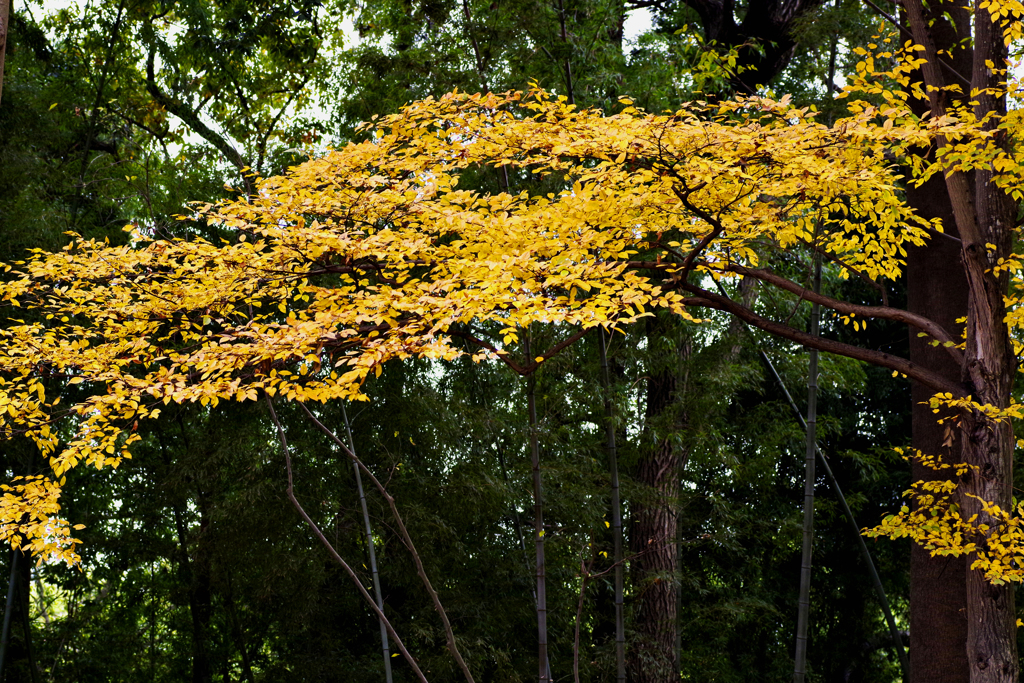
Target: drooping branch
[(406, 539), (290, 491)]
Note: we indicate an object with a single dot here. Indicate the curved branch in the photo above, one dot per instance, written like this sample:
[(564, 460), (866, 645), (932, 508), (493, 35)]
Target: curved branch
[(192, 120), (926, 325), (912, 370)]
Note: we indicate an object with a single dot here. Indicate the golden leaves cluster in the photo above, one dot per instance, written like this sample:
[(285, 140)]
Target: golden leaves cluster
[(993, 537), (374, 253)]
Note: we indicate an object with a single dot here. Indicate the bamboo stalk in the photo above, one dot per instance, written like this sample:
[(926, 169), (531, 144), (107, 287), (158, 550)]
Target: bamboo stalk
[(290, 492), (373, 553), (538, 527), (876, 581), (616, 505), (804, 608)]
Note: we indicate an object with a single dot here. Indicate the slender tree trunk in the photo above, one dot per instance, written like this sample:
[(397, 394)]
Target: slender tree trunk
[(616, 510), (385, 647), (5, 634), (200, 598), (237, 634), (538, 529), (25, 602), (5, 20), (804, 602)]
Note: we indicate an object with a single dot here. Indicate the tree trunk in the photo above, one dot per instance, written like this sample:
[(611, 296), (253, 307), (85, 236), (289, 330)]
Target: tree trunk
[(654, 568), (194, 570), (984, 220), (200, 598), (653, 530), (5, 20), (936, 288)]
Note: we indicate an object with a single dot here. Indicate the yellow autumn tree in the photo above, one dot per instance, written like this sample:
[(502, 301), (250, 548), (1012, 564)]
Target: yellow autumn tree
[(373, 253)]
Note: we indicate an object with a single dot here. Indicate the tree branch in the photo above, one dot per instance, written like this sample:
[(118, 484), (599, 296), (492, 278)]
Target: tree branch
[(330, 548), (923, 375), (926, 325), (193, 121), (407, 539), (929, 327)]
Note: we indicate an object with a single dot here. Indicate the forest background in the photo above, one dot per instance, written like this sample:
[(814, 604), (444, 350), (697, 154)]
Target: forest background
[(196, 567)]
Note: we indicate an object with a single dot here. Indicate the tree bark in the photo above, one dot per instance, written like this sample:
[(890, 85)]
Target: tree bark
[(989, 369), (936, 287), (984, 221), (653, 529)]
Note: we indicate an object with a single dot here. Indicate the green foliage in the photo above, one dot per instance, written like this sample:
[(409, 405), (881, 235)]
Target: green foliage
[(198, 563)]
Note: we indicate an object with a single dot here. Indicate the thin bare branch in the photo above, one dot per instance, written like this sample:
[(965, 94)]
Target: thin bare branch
[(407, 539), (290, 491)]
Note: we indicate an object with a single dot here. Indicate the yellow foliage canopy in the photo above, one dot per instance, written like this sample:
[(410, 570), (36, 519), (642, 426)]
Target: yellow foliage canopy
[(374, 253)]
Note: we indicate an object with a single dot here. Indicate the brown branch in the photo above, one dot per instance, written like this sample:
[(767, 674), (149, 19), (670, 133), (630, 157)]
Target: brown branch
[(903, 366), (856, 271), (330, 548), (926, 325), (929, 327), (407, 539)]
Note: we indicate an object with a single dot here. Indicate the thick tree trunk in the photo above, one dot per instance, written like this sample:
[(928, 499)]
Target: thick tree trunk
[(654, 567), (937, 289), (945, 286), (653, 532), (989, 370)]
